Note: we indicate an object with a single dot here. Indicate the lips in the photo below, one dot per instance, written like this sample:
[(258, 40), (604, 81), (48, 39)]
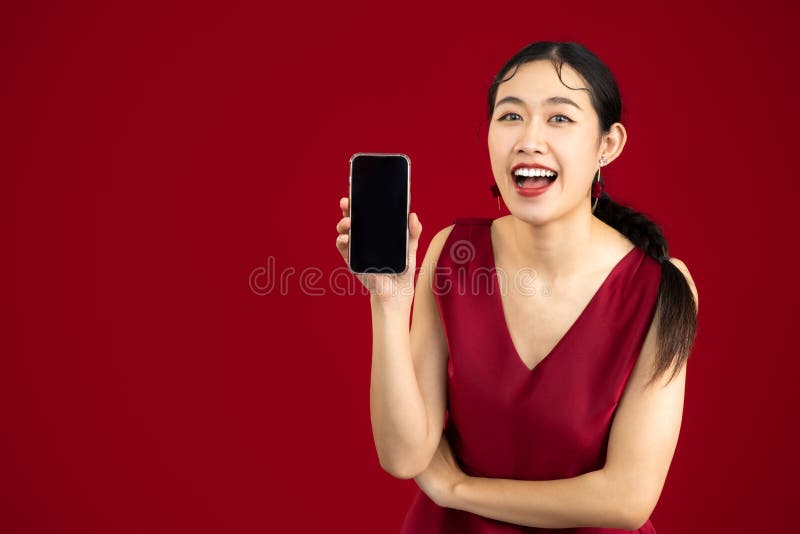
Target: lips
[(533, 191)]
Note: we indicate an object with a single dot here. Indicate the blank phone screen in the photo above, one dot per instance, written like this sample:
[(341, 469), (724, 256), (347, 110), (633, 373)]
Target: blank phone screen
[(378, 213)]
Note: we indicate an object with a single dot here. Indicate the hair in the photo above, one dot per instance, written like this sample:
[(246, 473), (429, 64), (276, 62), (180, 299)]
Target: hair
[(676, 308)]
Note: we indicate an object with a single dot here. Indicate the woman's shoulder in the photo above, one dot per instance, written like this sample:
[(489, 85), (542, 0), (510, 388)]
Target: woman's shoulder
[(440, 238), (621, 242), (437, 244), (460, 228), (681, 266)]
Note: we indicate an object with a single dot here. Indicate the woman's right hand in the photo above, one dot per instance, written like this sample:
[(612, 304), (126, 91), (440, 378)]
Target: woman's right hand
[(383, 287)]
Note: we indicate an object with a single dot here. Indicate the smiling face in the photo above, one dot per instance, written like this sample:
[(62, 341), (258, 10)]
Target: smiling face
[(537, 120)]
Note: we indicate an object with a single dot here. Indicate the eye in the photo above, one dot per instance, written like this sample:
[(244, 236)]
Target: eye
[(503, 117), (566, 119)]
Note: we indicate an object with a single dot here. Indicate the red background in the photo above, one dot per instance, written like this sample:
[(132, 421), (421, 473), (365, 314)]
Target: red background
[(156, 154)]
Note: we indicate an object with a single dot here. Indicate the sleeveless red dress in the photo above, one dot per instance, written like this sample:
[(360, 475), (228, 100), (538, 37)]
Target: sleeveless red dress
[(505, 420)]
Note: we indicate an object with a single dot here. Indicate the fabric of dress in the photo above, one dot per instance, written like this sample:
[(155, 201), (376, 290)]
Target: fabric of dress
[(505, 420)]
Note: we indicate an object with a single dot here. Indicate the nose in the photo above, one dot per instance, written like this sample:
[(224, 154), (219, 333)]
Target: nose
[(531, 138)]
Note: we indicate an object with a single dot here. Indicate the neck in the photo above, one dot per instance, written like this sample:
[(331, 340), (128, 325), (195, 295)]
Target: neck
[(557, 250)]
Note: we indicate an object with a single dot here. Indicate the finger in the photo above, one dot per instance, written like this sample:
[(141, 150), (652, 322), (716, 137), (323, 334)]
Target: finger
[(414, 231), (341, 245), (343, 226), (414, 226), (344, 204)]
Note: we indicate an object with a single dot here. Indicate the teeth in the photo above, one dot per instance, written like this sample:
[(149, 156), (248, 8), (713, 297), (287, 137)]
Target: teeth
[(533, 172)]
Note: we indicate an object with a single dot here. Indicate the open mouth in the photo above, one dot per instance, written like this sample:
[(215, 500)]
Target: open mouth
[(534, 178)]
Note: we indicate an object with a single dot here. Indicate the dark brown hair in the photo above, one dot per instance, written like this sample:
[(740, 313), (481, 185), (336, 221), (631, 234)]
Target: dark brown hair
[(675, 308)]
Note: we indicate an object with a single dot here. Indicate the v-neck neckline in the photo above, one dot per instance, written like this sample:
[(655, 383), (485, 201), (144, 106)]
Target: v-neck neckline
[(499, 302)]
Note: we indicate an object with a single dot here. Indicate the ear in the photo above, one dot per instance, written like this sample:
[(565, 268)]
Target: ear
[(613, 142)]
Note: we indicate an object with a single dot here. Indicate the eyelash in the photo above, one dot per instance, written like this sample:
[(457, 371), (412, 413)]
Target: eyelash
[(502, 117)]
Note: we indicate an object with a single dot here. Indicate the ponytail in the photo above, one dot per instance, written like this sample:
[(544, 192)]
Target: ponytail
[(676, 309)]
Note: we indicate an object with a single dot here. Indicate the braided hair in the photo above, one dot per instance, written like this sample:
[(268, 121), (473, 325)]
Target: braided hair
[(676, 309)]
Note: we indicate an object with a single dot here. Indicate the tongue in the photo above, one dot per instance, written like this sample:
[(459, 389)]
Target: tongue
[(535, 182)]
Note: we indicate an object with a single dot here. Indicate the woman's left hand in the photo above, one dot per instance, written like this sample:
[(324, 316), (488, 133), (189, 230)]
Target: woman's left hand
[(441, 476)]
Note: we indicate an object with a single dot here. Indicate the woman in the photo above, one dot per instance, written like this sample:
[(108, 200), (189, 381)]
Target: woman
[(582, 436)]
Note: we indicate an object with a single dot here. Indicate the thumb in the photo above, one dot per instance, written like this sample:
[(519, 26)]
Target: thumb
[(414, 226), (414, 231)]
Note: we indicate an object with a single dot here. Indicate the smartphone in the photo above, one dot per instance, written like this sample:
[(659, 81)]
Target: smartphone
[(380, 195)]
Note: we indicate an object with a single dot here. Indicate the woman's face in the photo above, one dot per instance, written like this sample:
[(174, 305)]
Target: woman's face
[(538, 120)]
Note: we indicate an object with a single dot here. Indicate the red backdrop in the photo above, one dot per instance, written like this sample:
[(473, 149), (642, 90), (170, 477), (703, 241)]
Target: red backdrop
[(159, 157)]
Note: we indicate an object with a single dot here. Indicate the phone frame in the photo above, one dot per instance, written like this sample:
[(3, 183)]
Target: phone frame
[(350, 200)]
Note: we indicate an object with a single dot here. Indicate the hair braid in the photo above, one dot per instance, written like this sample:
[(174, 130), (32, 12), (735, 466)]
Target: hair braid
[(642, 232)]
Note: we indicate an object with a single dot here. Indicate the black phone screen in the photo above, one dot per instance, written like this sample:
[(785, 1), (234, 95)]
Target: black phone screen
[(379, 199)]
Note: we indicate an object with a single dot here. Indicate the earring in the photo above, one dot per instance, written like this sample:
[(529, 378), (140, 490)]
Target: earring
[(496, 193), (598, 186)]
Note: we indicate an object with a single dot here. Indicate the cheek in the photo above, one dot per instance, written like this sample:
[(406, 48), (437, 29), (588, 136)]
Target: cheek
[(577, 152), (491, 145), (499, 142), (497, 158)]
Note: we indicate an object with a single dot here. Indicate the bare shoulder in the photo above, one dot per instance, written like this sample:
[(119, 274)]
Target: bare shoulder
[(436, 245), (647, 361), (424, 297), (685, 270), (441, 235)]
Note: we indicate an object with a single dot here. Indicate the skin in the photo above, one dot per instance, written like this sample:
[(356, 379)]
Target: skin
[(572, 251)]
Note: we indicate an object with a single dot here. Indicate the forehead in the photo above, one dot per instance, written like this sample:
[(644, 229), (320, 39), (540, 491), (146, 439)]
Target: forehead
[(538, 80)]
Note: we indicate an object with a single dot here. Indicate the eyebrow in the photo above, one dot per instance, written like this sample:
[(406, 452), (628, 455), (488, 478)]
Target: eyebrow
[(551, 100)]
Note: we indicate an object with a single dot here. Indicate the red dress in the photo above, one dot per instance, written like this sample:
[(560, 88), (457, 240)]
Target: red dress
[(507, 421)]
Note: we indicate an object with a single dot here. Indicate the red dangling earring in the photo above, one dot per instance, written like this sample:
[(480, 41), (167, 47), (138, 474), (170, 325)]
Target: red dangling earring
[(496, 193), (598, 186)]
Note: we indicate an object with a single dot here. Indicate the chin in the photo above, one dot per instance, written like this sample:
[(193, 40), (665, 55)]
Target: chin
[(533, 216)]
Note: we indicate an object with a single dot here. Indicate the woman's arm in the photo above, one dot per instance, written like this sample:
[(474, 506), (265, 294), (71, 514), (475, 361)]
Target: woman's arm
[(623, 493), (408, 374)]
